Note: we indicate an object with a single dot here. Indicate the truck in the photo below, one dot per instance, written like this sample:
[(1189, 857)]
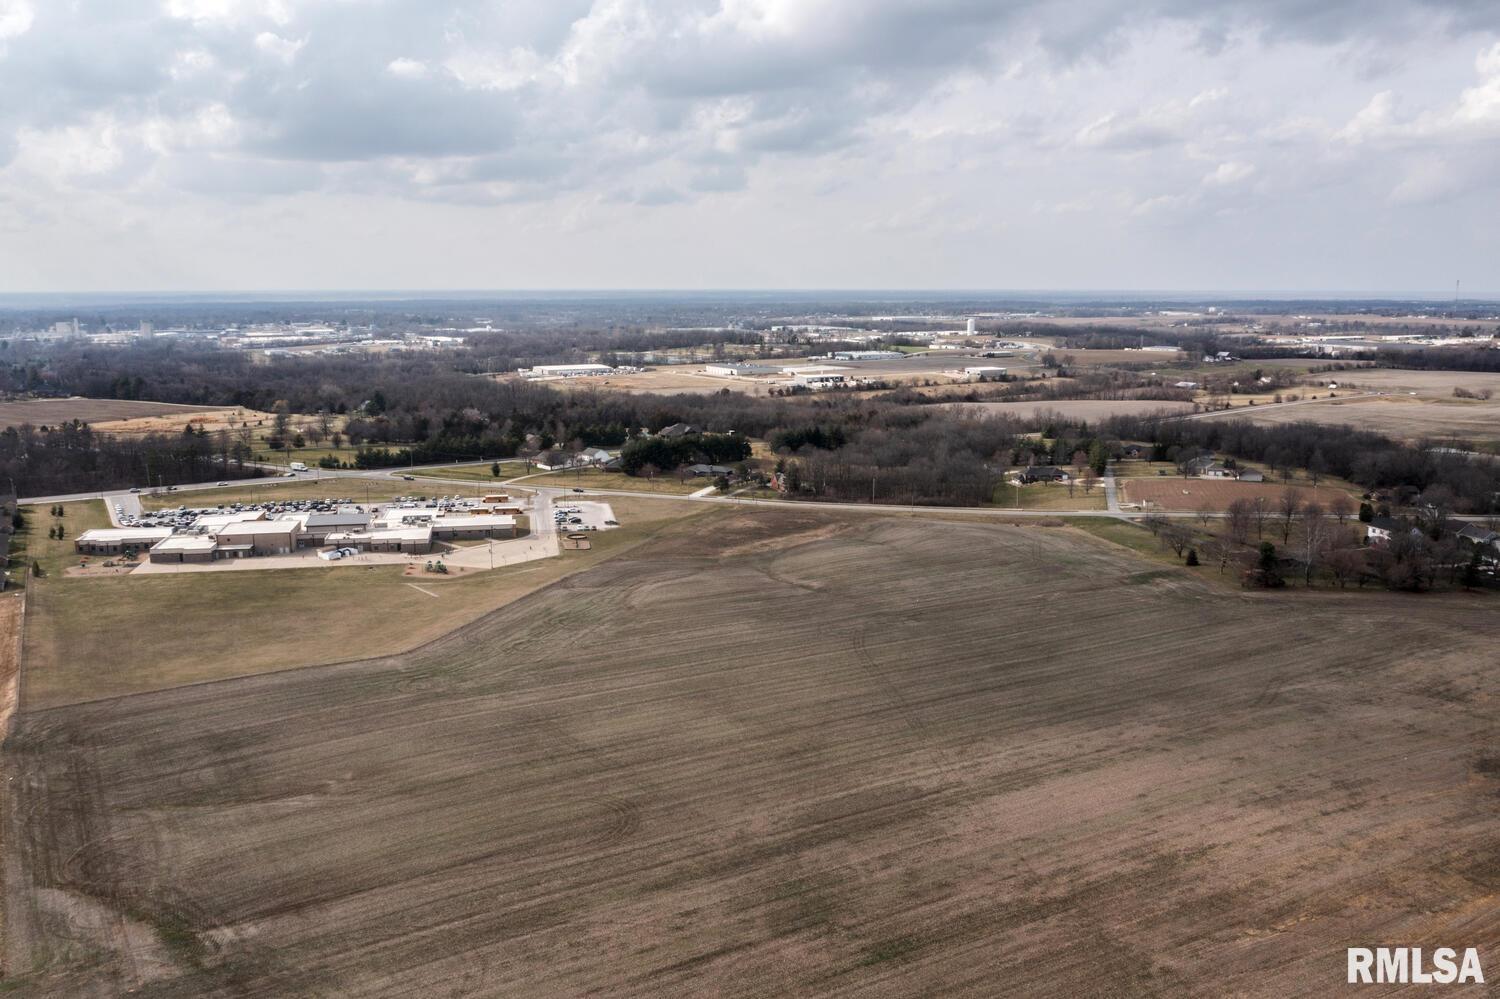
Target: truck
[(297, 466)]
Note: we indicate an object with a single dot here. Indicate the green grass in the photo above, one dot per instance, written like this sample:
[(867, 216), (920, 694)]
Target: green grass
[(354, 490), (1050, 496), (593, 478), (509, 468), (32, 544)]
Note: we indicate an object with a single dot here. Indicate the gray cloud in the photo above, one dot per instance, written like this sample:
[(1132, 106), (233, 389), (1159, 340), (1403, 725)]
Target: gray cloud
[(1180, 109)]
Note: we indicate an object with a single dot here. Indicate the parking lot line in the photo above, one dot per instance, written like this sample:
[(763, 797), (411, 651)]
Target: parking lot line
[(420, 590)]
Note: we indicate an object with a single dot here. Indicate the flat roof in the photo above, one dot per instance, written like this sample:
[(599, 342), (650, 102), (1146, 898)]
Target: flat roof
[(476, 520), (260, 527), (185, 543), (225, 519), (125, 534), (384, 534)]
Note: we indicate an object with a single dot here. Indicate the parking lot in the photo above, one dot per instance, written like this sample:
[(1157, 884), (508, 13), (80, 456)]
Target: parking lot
[(582, 515)]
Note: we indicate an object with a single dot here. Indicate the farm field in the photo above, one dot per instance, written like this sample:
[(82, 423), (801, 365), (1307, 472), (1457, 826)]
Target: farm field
[(826, 778), (509, 468), (1169, 493), (1427, 384), (1088, 409), (1397, 416), (38, 412), (105, 636)]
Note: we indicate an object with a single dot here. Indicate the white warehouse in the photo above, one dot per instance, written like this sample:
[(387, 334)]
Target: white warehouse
[(567, 371)]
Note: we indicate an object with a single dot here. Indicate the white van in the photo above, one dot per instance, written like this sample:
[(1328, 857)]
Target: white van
[(297, 466)]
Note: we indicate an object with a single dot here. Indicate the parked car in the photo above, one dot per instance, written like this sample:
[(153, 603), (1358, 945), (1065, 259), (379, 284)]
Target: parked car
[(135, 489), (222, 483), (409, 478)]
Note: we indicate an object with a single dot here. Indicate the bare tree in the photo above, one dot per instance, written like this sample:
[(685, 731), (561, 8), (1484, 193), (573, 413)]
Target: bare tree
[(1206, 514), (1287, 504), (1315, 533), (1090, 480), (1342, 507), (1177, 538), (1240, 515), (1345, 563), (1260, 507)]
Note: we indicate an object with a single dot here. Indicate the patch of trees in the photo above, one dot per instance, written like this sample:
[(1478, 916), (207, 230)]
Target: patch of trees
[(1373, 461), (73, 459), (643, 455)]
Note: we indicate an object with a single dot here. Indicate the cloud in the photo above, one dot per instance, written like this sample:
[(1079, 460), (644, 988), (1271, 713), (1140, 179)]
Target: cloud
[(950, 116)]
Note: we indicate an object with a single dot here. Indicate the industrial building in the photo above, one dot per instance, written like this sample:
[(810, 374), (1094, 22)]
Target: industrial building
[(566, 371), (867, 355), (731, 370), (819, 377)]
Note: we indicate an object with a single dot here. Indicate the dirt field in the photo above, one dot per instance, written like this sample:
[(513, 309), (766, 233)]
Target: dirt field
[(50, 412), (1398, 416), (1427, 384), (1177, 493), (755, 760), (1086, 409)]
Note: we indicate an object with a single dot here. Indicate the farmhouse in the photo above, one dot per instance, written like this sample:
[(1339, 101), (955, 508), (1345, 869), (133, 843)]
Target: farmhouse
[(1478, 536), (701, 470), (1208, 468), (118, 540), (677, 430)]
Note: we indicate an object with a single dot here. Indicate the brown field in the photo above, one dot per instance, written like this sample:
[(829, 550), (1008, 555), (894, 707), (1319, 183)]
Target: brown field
[(1398, 416), (1154, 358), (1085, 409), (50, 412), (761, 759), (1177, 493), (1427, 384)]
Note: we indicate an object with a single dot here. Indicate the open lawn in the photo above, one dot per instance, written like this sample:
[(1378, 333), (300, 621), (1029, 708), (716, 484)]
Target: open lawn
[(509, 468), (786, 753), (593, 478), (1216, 494), (1050, 496), (31, 543), (50, 412), (99, 637), (354, 489)]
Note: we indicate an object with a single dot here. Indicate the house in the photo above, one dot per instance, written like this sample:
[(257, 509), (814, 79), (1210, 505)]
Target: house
[(678, 430), (551, 461), (1251, 475), (701, 470), (1481, 537), (1380, 530), (1044, 473), (1133, 451), (1207, 468), (1185, 385)]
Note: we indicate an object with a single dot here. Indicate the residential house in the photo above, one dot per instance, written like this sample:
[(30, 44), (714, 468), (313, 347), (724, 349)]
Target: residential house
[(1044, 473)]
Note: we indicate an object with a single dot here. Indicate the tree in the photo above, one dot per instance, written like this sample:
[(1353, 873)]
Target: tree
[(1192, 556), (1471, 571), (1341, 506), (1260, 508), (1240, 515), (1345, 563), (1177, 538), (1267, 570), (495, 469), (1366, 513), (1287, 504), (1317, 466), (1315, 531)]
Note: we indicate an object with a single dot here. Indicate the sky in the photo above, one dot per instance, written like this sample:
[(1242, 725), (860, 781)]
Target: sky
[(1254, 145)]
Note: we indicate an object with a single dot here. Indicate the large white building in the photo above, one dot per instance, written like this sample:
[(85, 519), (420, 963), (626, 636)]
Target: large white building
[(567, 371)]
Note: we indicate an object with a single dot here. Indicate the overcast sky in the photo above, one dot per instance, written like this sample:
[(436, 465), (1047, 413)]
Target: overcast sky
[(993, 144)]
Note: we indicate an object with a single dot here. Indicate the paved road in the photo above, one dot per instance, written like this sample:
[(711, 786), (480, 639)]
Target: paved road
[(1111, 494)]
